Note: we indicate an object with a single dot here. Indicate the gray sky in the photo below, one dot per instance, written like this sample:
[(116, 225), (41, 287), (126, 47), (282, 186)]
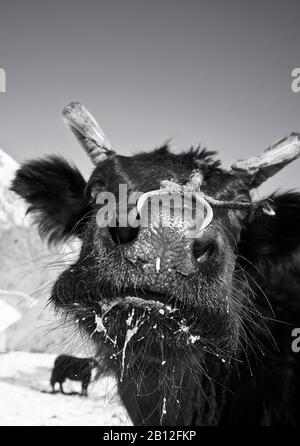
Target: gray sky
[(214, 72)]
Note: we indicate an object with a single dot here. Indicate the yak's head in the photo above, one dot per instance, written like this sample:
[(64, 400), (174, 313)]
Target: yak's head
[(172, 289)]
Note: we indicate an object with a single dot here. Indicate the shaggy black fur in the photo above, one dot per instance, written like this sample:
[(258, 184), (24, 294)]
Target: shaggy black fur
[(55, 191), (225, 356)]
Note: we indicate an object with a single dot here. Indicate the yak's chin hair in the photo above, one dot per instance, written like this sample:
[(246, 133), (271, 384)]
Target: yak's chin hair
[(136, 338), (129, 336), (140, 331), (173, 366)]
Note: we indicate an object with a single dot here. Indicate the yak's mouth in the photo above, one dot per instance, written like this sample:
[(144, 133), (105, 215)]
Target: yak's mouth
[(160, 325), (156, 303), (148, 303), (144, 299), (149, 312), (142, 315)]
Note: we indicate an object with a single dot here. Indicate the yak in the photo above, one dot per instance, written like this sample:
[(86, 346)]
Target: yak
[(75, 369), (195, 325)]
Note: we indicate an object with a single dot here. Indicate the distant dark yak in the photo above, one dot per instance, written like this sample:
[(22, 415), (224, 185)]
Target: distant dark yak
[(196, 327), (75, 369)]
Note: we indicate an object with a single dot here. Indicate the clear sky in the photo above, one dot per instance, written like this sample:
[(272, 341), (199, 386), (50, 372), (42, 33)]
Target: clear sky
[(216, 72)]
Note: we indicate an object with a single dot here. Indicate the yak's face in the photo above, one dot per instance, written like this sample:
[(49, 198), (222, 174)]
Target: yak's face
[(159, 282), (160, 286)]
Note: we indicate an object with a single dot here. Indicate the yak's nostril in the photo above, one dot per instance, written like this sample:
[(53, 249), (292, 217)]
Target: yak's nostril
[(203, 248), (123, 235)]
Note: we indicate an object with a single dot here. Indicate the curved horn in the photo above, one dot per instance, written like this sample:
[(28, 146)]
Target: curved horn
[(87, 131), (259, 168)]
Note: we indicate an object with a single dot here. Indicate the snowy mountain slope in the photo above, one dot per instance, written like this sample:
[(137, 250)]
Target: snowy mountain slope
[(27, 267), (8, 315), (12, 209)]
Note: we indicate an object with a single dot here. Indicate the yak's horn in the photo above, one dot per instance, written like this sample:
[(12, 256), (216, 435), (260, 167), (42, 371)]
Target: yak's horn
[(87, 131), (259, 168)]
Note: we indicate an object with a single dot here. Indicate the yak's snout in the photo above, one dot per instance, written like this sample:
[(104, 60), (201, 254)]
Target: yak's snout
[(189, 277), (169, 242)]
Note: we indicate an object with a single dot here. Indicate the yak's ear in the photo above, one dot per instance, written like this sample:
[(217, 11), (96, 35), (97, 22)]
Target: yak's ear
[(55, 192), (276, 237)]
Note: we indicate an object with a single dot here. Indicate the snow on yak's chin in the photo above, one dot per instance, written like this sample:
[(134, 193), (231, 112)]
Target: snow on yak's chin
[(146, 320)]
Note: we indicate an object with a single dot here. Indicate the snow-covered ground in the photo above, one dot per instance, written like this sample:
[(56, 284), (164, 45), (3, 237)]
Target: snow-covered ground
[(25, 397)]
